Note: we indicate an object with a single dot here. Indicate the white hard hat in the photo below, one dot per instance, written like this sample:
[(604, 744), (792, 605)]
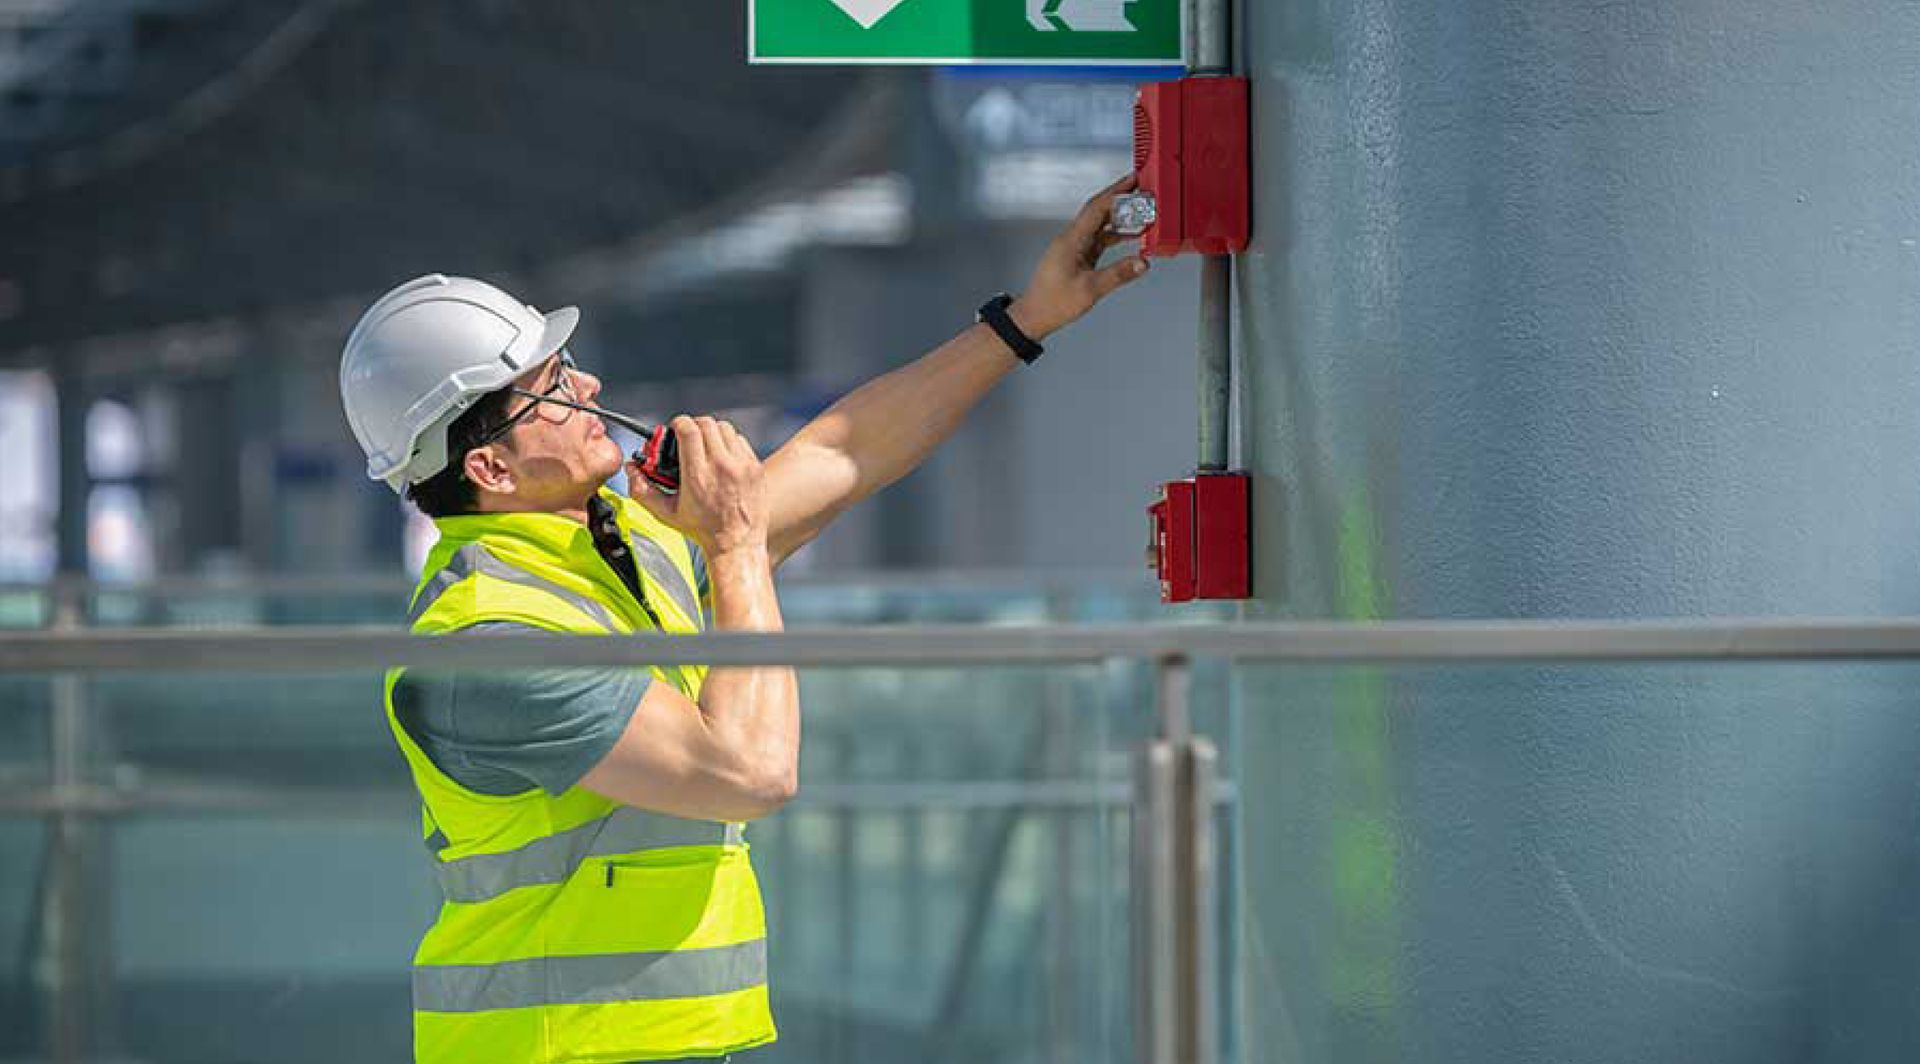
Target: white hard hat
[(422, 354)]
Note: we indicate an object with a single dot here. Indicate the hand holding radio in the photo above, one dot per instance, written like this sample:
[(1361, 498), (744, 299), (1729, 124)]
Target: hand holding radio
[(719, 498)]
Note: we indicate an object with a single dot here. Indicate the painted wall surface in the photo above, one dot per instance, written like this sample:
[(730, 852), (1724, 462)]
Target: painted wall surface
[(1583, 309)]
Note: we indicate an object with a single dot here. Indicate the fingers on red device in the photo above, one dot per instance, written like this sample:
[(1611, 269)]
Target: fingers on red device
[(659, 459)]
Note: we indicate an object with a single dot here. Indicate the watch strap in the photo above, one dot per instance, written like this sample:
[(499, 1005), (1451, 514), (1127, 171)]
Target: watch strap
[(994, 314)]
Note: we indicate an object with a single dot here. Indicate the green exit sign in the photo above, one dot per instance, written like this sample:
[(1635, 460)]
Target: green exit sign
[(1054, 32)]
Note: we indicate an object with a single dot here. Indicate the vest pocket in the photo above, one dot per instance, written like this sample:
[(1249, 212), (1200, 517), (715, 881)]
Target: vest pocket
[(679, 897), (664, 956), (636, 870)]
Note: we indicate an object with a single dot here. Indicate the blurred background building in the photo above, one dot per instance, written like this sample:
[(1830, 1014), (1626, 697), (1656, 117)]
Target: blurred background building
[(198, 198)]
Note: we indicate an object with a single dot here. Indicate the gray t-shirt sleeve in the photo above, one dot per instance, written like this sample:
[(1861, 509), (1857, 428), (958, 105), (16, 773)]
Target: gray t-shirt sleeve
[(508, 732)]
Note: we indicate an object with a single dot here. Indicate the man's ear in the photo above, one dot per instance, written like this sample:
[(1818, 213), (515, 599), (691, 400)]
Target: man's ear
[(486, 469)]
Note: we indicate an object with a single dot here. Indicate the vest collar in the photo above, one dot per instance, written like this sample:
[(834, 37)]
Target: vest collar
[(547, 532), (546, 544)]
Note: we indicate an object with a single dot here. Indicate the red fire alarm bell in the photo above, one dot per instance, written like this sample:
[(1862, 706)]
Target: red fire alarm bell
[(1191, 161), (1202, 537)]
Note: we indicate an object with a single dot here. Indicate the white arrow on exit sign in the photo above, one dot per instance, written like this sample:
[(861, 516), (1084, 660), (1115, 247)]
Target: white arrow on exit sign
[(867, 12)]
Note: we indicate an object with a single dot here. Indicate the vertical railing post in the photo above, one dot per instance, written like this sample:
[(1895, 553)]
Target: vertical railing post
[(1154, 938), (1196, 775), (1062, 929), (1174, 880), (65, 935)]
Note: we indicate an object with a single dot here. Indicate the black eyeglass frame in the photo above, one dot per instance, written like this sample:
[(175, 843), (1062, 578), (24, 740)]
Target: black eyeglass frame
[(562, 382)]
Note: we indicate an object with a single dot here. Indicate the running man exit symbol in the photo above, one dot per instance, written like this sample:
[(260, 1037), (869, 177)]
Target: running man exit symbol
[(1096, 16)]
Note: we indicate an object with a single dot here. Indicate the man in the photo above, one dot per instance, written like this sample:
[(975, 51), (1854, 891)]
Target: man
[(586, 826)]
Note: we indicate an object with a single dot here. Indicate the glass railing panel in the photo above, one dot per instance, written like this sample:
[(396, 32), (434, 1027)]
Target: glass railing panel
[(25, 704), (279, 730), (281, 935), (23, 845), (1709, 863), (24, 606), (952, 879), (249, 604), (950, 884)]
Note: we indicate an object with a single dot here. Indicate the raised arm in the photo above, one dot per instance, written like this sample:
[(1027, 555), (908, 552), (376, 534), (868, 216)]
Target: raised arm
[(882, 430)]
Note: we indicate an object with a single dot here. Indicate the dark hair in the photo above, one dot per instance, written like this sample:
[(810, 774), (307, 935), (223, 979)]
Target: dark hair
[(449, 493)]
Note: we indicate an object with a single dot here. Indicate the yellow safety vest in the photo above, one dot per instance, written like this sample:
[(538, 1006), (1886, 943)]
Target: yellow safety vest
[(576, 929)]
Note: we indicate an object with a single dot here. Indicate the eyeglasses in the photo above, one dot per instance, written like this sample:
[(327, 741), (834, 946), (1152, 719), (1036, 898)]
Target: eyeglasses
[(562, 385)]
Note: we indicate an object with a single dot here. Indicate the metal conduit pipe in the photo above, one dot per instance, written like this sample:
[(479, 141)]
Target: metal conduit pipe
[(1210, 50), (1216, 373)]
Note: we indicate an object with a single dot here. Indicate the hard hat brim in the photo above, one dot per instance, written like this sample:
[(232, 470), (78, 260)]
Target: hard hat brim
[(560, 326)]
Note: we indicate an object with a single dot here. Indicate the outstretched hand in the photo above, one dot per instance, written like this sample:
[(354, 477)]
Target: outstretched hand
[(1069, 279)]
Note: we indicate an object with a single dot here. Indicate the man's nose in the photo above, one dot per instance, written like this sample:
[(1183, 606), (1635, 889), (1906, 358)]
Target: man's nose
[(587, 383)]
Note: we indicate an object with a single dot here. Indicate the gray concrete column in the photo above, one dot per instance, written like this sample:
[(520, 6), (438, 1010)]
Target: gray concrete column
[(1603, 310)]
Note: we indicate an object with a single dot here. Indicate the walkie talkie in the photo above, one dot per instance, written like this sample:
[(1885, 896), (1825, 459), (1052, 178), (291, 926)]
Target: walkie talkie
[(659, 457)]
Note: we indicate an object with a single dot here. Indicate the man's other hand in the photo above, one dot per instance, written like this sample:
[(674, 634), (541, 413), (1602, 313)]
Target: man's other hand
[(1069, 280)]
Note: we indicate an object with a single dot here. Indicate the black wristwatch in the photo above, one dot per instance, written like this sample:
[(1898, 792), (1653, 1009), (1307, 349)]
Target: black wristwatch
[(994, 313)]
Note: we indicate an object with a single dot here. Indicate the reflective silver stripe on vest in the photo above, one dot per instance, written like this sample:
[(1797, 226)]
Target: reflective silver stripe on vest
[(473, 558), (590, 980), (552, 858), (654, 559)]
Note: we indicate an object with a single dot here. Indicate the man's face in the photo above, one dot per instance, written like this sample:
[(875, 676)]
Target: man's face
[(554, 458)]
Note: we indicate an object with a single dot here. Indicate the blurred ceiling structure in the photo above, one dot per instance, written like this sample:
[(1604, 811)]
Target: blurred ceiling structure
[(172, 161)]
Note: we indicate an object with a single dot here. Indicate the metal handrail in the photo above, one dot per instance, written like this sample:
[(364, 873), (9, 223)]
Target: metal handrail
[(398, 583), (33, 797), (322, 649)]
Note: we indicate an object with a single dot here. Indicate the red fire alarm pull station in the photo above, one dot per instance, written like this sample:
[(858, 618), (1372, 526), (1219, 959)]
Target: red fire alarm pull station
[(1190, 159), (1202, 541)]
